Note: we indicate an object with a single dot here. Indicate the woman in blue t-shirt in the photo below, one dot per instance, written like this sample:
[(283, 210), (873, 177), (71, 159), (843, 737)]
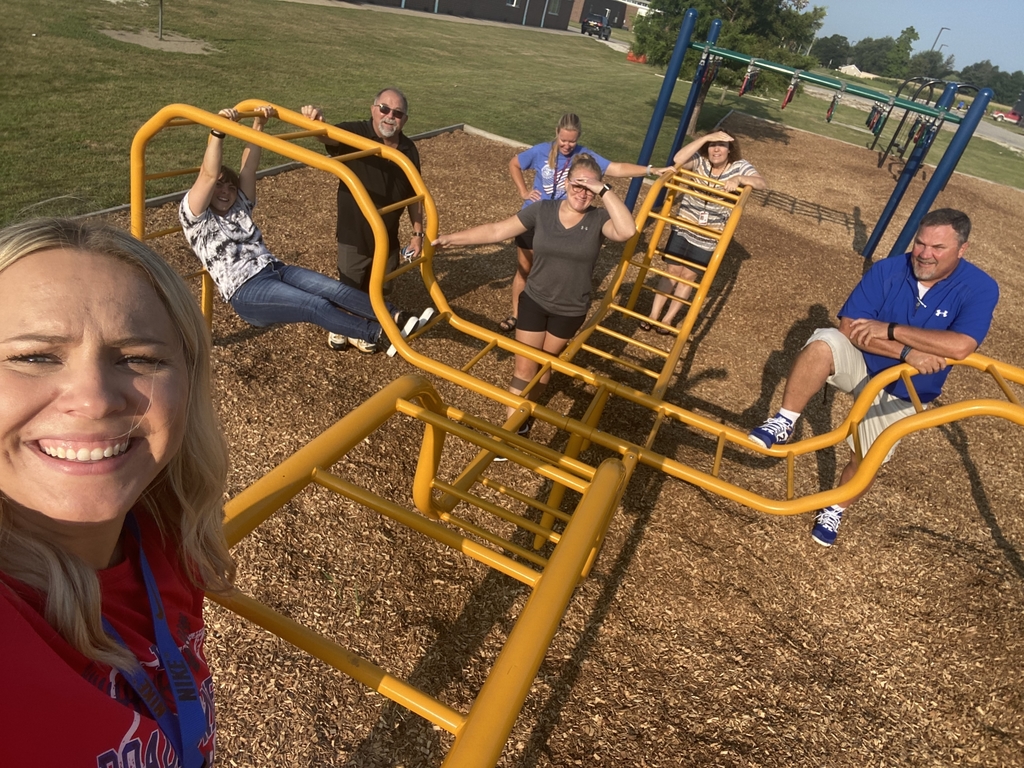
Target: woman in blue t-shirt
[(550, 163)]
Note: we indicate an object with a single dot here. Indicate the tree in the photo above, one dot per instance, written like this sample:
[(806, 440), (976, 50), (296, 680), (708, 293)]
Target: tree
[(930, 64), (898, 58), (870, 54), (777, 30), (985, 74), (832, 51)]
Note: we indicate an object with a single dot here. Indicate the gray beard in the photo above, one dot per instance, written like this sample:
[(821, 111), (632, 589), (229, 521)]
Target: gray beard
[(387, 131)]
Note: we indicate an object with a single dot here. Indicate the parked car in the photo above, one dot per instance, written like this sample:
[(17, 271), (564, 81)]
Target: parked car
[(1007, 117), (596, 24)]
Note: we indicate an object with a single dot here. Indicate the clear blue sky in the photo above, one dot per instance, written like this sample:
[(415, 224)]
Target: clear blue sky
[(978, 29)]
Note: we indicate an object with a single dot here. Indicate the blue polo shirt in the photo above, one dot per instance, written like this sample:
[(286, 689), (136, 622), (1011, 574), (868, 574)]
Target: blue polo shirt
[(962, 302), (550, 182)]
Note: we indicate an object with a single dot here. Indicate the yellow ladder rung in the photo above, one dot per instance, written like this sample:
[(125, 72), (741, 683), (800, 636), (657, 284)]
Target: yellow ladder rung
[(612, 358), (299, 134), (529, 501), (500, 512), (490, 538), (479, 356), (170, 174), (689, 226), (162, 232), (630, 340), (356, 155), (705, 192), (400, 204)]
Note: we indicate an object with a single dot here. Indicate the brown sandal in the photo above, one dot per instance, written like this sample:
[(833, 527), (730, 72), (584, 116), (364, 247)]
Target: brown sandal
[(508, 324), (645, 326)]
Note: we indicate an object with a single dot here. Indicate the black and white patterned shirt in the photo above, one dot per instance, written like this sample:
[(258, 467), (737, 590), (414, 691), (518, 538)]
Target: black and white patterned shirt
[(230, 247)]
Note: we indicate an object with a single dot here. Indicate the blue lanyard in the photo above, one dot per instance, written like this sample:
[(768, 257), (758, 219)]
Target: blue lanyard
[(186, 729)]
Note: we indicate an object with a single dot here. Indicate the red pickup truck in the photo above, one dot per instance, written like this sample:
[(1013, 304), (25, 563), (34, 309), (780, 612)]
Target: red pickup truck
[(1007, 117)]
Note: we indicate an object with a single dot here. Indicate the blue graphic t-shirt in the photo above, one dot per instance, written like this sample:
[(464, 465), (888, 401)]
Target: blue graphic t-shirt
[(550, 182)]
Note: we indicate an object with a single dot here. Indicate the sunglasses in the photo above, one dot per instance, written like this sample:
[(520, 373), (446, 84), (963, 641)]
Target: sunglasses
[(718, 144), (386, 110)]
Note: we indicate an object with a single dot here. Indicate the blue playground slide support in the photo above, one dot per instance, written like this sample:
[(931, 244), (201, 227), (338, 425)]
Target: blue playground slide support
[(943, 170), (671, 75), (909, 170), (691, 100)]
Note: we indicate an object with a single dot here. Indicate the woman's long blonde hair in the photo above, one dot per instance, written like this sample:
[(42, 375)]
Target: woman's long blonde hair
[(185, 499), (570, 121)]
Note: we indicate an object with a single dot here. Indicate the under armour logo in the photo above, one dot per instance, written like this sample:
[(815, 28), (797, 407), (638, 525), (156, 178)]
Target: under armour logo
[(942, 313)]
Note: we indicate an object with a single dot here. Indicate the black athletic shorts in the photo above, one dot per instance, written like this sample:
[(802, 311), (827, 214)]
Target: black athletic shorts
[(525, 240), (534, 318), (678, 245)]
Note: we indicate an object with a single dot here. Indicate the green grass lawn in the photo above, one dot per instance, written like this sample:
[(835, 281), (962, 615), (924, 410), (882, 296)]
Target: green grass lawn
[(75, 98)]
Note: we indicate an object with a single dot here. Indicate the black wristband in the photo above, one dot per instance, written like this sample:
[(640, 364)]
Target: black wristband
[(907, 349), (218, 134), (891, 331), (604, 189)]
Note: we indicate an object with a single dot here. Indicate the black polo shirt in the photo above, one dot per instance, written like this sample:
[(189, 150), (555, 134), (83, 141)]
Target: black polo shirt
[(385, 182)]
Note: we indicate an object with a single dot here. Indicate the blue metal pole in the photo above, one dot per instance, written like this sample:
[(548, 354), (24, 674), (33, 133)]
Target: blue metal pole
[(944, 169), (913, 164), (661, 107), (691, 100)]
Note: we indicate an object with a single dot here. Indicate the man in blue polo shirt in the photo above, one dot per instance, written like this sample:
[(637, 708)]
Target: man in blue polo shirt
[(919, 308)]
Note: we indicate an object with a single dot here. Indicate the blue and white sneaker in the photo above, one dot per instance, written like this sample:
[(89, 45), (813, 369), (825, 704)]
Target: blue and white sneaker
[(407, 324), (776, 431), (826, 526)]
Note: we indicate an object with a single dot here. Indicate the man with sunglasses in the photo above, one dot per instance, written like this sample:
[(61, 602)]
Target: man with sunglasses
[(385, 182)]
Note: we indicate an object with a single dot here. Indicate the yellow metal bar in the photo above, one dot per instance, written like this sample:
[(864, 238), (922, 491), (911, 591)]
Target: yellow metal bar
[(490, 719), (163, 232), (523, 498), (264, 497), (500, 512), (624, 363), (606, 331), (479, 356), (400, 205), (1001, 382), (471, 435), (170, 174), (344, 660), (436, 531), (675, 221)]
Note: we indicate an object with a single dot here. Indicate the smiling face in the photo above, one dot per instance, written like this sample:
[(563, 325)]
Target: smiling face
[(388, 126), (224, 195), (718, 153), (937, 251), (579, 196), (93, 386), (567, 141)]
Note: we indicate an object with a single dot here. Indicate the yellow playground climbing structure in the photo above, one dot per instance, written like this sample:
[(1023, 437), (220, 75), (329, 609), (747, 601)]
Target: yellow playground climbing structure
[(546, 529)]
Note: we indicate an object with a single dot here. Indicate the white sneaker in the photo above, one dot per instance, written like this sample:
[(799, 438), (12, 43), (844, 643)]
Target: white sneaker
[(336, 341), (366, 347)]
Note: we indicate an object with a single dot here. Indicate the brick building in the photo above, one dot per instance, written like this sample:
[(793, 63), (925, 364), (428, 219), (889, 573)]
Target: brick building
[(550, 14)]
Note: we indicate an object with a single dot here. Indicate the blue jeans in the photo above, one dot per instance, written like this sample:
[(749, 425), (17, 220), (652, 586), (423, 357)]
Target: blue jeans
[(281, 293)]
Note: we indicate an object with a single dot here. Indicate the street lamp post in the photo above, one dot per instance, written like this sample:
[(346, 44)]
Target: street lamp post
[(941, 30)]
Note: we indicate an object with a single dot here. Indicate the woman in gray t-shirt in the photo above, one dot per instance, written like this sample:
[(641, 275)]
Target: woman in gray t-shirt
[(566, 244)]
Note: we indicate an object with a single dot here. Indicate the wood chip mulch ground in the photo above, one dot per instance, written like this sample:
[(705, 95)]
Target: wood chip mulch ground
[(708, 634)]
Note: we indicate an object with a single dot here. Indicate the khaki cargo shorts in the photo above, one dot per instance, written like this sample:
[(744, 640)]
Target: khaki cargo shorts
[(852, 376)]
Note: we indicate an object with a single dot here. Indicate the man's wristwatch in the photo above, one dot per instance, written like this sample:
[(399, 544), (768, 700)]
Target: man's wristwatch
[(417, 234), (604, 189)]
